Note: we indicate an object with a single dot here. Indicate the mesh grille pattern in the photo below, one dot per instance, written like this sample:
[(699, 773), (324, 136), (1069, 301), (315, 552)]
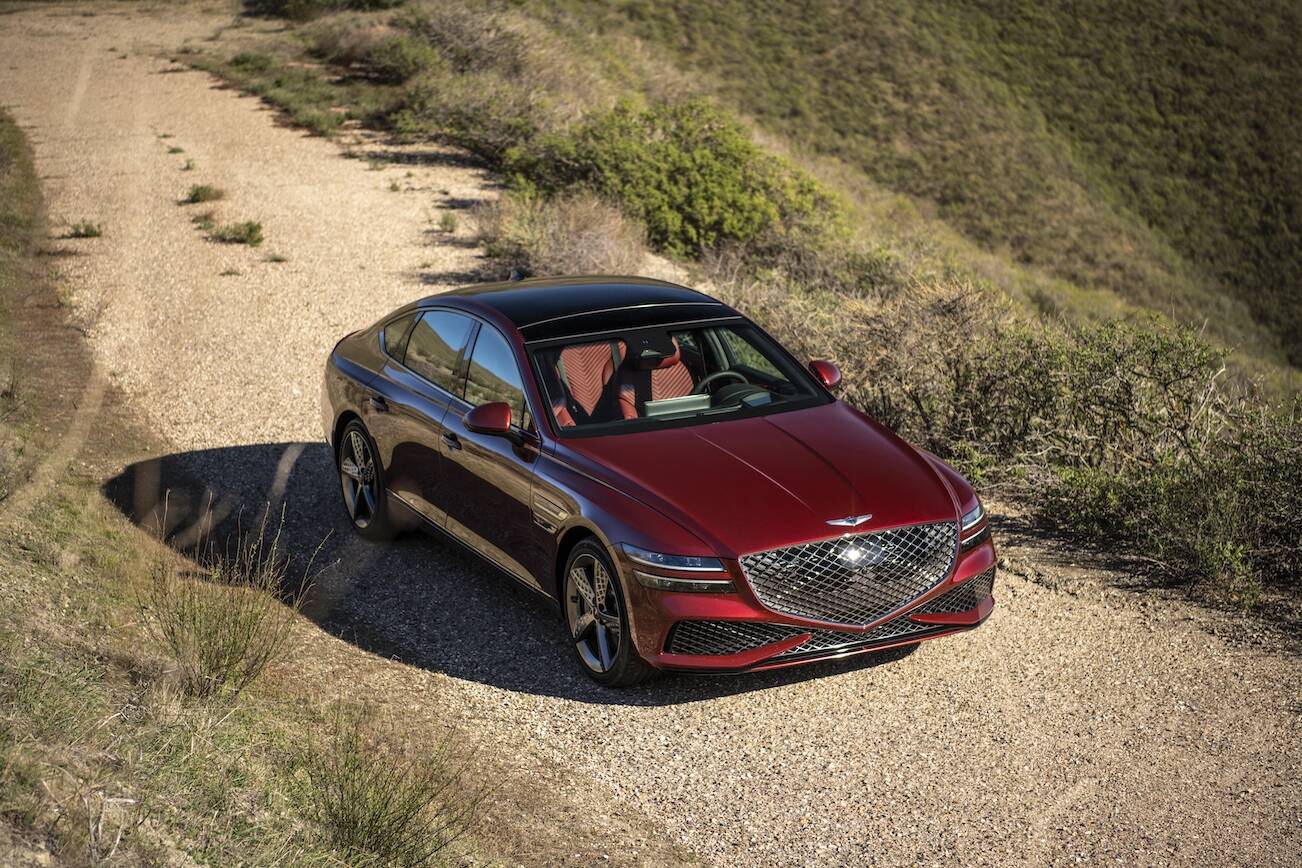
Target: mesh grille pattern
[(732, 637), (963, 598), (725, 637), (853, 579)]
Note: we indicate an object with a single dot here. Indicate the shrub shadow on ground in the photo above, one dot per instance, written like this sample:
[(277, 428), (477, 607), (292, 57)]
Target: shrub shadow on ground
[(419, 599)]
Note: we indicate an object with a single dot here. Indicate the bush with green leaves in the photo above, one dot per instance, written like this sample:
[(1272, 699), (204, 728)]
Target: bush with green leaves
[(481, 112), (687, 170), (399, 58)]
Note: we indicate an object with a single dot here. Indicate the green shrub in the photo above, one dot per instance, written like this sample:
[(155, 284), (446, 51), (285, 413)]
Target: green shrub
[(473, 40), (688, 171), (481, 112), (253, 61), (399, 58), (203, 193), (247, 232)]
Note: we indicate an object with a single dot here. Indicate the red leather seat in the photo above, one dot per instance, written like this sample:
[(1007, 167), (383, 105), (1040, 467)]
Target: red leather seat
[(669, 378), (585, 372)]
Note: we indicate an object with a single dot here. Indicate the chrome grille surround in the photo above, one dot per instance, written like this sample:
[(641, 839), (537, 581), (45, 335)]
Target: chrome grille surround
[(734, 637), (854, 579)]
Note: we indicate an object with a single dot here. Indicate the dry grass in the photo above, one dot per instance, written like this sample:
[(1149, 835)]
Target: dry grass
[(385, 802), (225, 621), (578, 234)]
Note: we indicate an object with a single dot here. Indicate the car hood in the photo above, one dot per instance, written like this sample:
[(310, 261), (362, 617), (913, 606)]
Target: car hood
[(747, 485)]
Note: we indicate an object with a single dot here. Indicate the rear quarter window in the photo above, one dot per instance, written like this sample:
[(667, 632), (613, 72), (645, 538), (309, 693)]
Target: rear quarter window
[(435, 346), (396, 334)]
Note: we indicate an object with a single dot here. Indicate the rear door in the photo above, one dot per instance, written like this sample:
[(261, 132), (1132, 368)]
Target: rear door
[(425, 376), (488, 477)]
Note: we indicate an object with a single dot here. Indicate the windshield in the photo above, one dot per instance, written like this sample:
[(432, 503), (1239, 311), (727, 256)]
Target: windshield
[(669, 376)]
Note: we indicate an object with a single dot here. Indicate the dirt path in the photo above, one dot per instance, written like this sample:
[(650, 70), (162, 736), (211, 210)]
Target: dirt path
[(1086, 723)]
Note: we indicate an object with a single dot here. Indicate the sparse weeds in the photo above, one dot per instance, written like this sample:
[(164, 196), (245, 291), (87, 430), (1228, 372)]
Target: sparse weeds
[(174, 149), (85, 229), (447, 223), (187, 166), (224, 621), (203, 193), (245, 232), (383, 802), (205, 220)]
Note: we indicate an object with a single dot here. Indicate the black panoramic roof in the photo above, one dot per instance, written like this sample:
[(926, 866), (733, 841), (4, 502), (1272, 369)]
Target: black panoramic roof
[(563, 306)]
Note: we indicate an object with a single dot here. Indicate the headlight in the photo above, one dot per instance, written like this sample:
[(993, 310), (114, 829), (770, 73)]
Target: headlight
[(968, 537), (686, 563), (678, 563)]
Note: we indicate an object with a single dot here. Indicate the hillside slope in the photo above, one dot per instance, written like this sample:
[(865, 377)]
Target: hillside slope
[(1152, 152)]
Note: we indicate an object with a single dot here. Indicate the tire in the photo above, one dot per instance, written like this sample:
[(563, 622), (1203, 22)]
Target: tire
[(593, 636), (361, 480)]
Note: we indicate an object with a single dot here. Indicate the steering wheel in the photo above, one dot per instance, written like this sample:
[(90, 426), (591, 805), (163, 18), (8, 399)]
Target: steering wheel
[(717, 375)]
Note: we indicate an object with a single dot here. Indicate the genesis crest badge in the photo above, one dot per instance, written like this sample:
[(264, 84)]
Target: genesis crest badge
[(849, 520)]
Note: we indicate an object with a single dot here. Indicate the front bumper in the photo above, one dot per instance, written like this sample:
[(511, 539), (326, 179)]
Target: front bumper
[(737, 633)]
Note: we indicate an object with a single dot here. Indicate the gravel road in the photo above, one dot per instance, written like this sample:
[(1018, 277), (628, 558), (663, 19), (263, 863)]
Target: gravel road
[(1083, 722)]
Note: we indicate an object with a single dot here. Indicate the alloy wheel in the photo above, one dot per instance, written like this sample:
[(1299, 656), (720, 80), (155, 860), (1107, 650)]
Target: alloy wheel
[(595, 613), (357, 475)]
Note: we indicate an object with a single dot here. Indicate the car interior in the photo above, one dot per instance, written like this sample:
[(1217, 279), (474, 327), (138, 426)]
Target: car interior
[(664, 374)]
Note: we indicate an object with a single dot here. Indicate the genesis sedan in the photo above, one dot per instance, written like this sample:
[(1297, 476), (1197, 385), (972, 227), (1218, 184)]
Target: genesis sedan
[(642, 454)]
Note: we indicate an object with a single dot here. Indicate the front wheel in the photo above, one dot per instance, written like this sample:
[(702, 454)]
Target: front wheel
[(362, 481), (597, 617)]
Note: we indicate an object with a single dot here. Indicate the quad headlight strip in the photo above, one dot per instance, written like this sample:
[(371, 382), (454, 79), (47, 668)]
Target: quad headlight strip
[(679, 564), (971, 536)]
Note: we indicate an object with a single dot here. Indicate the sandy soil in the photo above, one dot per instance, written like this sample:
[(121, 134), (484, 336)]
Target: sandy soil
[(1083, 722)]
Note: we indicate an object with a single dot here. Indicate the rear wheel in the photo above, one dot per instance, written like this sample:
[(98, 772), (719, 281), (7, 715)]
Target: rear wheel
[(362, 482), (597, 617)]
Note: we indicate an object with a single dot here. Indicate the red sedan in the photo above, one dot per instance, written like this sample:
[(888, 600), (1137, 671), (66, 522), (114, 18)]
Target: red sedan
[(692, 496)]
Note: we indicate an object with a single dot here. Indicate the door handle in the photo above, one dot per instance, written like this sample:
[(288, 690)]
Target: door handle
[(378, 404), (451, 440)]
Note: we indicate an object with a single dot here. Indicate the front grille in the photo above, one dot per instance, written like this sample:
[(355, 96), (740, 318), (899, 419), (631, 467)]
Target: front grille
[(853, 579), (963, 598), (733, 637)]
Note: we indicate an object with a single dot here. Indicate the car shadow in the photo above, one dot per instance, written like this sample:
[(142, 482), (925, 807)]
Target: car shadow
[(419, 599)]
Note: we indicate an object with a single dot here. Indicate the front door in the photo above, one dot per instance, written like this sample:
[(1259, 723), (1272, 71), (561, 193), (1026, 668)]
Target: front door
[(488, 477), (413, 414)]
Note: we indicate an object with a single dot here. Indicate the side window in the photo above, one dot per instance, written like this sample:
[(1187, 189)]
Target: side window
[(435, 344), (395, 335), (494, 376)]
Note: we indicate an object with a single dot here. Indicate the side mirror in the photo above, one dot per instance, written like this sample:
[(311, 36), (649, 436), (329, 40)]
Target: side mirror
[(494, 418), (827, 373)]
